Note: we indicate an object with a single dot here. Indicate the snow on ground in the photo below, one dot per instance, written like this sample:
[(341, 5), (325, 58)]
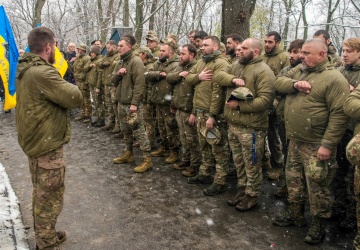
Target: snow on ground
[(12, 230)]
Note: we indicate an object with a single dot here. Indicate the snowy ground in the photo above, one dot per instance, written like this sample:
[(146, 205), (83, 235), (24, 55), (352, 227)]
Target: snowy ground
[(12, 230)]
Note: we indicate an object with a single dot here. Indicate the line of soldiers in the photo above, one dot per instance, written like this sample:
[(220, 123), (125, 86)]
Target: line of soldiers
[(217, 108)]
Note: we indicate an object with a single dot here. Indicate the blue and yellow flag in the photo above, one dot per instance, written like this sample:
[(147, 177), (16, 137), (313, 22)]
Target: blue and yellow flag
[(9, 56), (60, 64)]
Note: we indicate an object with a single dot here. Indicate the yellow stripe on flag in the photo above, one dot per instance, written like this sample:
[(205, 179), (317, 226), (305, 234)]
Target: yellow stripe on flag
[(60, 62)]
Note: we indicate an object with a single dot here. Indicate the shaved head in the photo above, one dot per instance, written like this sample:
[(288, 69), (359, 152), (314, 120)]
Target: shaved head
[(317, 44)]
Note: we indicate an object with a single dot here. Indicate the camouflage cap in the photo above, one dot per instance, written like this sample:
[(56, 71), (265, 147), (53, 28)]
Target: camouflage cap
[(82, 47), (318, 170), (132, 118), (151, 33), (170, 42), (241, 93), (146, 51), (213, 136), (152, 38), (173, 37), (353, 150), (222, 47)]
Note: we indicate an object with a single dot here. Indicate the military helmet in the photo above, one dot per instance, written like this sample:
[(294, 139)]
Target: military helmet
[(152, 38), (82, 47), (213, 136), (222, 47), (146, 51), (169, 41), (241, 93)]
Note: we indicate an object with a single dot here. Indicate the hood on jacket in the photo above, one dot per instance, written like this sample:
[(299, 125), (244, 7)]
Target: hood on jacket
[(27, 61)]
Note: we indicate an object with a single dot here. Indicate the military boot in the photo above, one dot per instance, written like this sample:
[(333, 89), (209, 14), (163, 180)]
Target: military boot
[(316, 232), (247, 203), (145, 165), (214, 189), (160, 152), (99, 123), (173, 157), (125, 158), (107, 127), (87, 119), (200, 179), (116, 129), (190, 171), (182, 165), (233, 201), (294, 215)]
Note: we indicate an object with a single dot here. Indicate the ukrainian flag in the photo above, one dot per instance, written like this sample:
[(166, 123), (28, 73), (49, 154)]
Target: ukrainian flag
[(9, 56)]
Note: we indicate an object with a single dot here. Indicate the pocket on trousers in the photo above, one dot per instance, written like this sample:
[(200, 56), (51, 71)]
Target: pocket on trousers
[(318, 170)]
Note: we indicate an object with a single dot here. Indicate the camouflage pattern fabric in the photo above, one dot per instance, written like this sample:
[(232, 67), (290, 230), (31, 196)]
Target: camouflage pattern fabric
[(148, 111), (217, 153), (86, 108), (131, 125), (249, 173), (109, 109), (306, 176), (357, 198), (47, 176), (189, 139), (168, 129)]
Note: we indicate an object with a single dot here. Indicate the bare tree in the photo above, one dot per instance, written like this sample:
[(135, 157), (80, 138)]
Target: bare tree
[(330, 13), (39, 4)]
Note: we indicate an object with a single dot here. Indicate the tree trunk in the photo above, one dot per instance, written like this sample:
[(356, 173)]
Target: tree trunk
[(37, 12), (303, 13), (330, 14), (152, 18), (139, 19), (126, 14), (236, 17)]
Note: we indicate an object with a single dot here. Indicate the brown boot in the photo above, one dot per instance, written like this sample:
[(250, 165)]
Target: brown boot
[(160, 152), (173, 157), (107, 127), (247, 203), (190, 171), (127, 157), (182, 165), (145, 165), (233, 201), (116, 129)]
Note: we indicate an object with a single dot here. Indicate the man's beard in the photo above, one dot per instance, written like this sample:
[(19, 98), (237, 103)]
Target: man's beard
[(246, 59), (295, 63), (231, 52), (51, 59), (271, 51), (183, 63), (163, 59)]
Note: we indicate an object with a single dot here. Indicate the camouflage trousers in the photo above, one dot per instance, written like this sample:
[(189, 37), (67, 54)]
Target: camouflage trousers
[(149, 123), (218, 153), (343, 183), (109, 107), (168, 129), (306, 176), (47, 176), (98, 103), (189, 139), (247, 162), (131, 124), (275, 147), (86, 108)]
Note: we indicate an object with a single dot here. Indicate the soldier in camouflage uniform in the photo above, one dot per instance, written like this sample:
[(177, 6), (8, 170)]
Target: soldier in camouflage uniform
[(315, 122), (107, 65), (148, 108), (232, 41), (351, 108), (93, 78), (182, 103), (351, 71), (153, 44), (294, 51), (80, 67), (249, 97), (43, 127), (333, 56), (277, 59), (161, 95), (343, 185), (129, 78), (208, 103)]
